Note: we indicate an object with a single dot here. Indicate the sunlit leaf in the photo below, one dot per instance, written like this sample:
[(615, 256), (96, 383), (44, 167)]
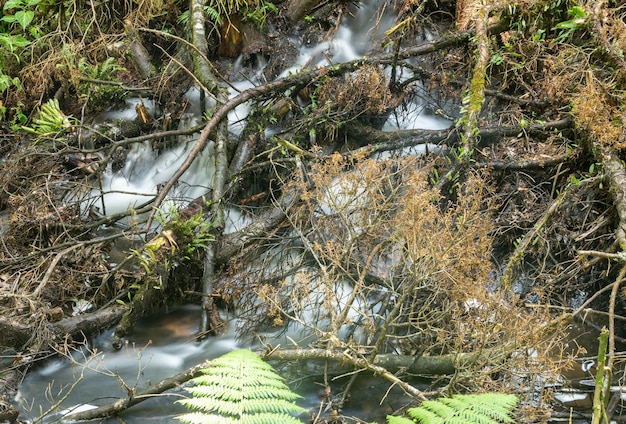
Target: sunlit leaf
[(24, 17)]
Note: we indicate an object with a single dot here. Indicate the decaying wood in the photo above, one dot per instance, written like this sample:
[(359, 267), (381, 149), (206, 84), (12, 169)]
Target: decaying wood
[(19, 335), (100, 136), (415, 365), (385, 141), (615, 171), (14, 333), (211, 321), (157, 258), (296, 9), (137, 52)]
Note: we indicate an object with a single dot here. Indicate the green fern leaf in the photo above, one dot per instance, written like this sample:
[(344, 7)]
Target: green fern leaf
[(488, 408), (200, 418), (270, 419), (240, 387), (426, 416), (264, 418), (398, 420)]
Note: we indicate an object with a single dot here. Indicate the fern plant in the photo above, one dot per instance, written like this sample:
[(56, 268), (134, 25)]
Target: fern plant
[(51, 121), (239, 387), (487, 408)]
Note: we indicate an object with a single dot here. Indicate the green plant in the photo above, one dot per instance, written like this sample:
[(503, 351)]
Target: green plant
[(239, 387), (193, 231), (6, 81), (601, 393), (51, 121), (101, 71), (11, 43), (92, 78), (218, 10), (579, 21), (486, 408), (21, 12), (258, 15)]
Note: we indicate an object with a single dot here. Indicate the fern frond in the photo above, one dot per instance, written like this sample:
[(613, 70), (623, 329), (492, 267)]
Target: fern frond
[(391, 419), (487, 408), (280, 406), (425, 415), (209, 404), (268, 418), (200, 418), (240, 387)]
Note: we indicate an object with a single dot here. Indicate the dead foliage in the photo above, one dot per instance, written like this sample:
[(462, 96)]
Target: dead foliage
[(365, 91), (378, 265)]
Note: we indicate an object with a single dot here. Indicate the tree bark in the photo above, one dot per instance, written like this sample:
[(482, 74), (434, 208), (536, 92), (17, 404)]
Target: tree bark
[(18, 335)]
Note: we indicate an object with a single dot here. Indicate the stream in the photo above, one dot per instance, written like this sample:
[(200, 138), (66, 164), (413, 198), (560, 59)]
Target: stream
[(164, 345), (160, 347)]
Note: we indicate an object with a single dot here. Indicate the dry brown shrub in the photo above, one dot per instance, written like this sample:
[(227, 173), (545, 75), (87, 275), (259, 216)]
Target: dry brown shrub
[(391, 270), (142, 11), (595, 112), (563, 73), (362, 92)]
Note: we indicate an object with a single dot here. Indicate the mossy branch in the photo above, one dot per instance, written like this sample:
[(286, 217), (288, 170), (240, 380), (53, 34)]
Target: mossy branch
[(602, 381)]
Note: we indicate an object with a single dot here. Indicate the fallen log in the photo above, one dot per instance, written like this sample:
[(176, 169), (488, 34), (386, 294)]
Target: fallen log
[(427, 366), (18, 335), (384, 141)]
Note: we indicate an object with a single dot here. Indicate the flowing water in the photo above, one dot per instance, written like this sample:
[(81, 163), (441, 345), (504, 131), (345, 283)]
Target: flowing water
[(164, 345), (160, 347)]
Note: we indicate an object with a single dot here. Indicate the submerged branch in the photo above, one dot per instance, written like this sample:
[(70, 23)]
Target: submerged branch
[(139, 396)]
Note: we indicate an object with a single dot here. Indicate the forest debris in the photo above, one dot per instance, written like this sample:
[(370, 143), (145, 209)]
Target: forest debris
[(137, 52), (615, 171), (427, 226), (16, 333), (516, 258)]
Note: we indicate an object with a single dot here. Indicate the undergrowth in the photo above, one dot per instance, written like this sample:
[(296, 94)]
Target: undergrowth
[(486, 408), (396, 267)]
